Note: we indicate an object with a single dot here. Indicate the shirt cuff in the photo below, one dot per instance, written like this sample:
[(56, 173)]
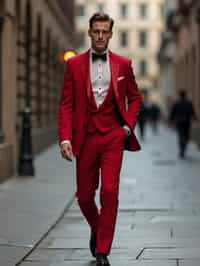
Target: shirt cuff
[(65, 142), (128, 130)]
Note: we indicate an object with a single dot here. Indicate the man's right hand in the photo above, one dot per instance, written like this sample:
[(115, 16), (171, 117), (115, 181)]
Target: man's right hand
[(66, 151)]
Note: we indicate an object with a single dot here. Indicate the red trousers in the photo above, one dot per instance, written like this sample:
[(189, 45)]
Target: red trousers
[(101, 155)]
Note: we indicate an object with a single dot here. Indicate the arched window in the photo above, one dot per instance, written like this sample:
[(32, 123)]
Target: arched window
[(143, 67)]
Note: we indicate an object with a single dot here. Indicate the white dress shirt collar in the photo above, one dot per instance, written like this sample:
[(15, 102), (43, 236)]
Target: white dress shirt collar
[(93, 51)]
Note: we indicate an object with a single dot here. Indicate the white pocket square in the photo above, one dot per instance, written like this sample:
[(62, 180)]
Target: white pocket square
[(120, 78)]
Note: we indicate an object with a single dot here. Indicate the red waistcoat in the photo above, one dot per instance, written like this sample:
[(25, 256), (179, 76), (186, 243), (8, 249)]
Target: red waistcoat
[(106, 117)]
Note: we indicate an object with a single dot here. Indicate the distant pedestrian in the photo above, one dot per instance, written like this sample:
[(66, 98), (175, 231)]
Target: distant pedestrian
[(144, 115), (182, 115), (154, 116), (96, 125)]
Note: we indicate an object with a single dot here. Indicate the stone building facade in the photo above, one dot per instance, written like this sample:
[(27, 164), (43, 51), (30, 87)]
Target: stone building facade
[(33, 36), (183, 23), (166, 58)]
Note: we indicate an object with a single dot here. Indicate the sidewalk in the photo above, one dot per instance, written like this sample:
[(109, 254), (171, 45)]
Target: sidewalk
[(159, 215), (29, 207)]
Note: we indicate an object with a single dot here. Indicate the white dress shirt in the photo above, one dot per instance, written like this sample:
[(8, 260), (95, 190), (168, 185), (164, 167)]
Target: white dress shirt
[(100, 77)]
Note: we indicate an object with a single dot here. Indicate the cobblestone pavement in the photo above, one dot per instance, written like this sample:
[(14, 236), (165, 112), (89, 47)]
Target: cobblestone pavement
[(159, 214)]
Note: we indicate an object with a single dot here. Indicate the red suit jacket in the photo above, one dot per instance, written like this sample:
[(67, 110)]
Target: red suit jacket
[(73, 115)]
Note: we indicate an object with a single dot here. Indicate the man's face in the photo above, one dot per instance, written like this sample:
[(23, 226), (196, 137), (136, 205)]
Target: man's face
[(100, 35)]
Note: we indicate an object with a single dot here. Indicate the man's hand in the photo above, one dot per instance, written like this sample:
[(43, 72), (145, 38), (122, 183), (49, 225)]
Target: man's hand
[(66, 151), (127, 130)]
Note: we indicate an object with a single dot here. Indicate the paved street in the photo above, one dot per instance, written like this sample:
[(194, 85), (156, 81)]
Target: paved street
[(158, 222)]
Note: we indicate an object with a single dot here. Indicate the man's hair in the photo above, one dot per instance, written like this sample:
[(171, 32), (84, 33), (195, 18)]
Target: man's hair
[(102, 17), (182, 93)]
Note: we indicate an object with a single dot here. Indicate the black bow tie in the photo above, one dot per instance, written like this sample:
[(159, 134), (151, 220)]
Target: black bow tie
[(95, 56)]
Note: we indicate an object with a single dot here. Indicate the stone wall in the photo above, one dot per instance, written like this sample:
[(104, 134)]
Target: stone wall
[(50, 32)]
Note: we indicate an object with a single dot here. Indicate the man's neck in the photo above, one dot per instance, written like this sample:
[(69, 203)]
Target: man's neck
[(102, 52)]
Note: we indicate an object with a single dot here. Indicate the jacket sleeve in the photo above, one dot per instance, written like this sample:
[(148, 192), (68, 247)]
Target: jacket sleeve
[(66, 105), (134, 99)]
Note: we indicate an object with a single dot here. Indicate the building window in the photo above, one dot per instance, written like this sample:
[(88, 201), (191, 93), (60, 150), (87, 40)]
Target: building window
[(1, 24), (100, 7), (143, 38), (143, 10), (123, 10), (80, 10), (124, 39), (161, 10), (81, 39), (143, 67)]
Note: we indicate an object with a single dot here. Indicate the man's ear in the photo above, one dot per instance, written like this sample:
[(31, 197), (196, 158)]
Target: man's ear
[(89, 32)]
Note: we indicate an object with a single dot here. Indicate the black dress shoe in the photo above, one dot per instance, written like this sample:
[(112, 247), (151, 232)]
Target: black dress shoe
[(92, 244), (102, 260)]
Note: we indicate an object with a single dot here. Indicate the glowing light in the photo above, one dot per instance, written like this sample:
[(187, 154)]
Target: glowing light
[(68, 54)]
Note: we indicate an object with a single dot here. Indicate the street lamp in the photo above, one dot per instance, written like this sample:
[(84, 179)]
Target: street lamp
[(25, 167)]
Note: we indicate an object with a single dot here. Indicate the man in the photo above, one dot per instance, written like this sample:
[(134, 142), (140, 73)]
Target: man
[(181, 115), (144, 115), (99, 106)]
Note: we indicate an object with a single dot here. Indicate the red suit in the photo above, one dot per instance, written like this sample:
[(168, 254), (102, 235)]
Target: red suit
[(98, 138)]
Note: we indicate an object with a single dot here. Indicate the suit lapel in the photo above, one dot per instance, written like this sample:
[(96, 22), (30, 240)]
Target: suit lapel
[(114, 68), (85, 68)]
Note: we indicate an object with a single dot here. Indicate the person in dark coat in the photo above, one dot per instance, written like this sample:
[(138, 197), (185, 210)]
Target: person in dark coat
[(182, 115), (154, 116), (144, 115)]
